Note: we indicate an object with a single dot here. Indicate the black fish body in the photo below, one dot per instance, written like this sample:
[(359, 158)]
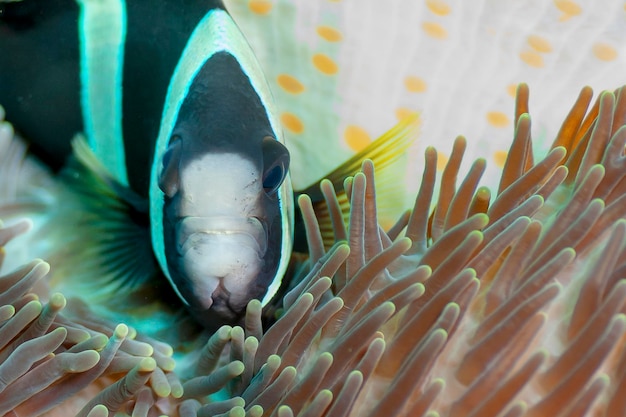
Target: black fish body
[(40, 73)]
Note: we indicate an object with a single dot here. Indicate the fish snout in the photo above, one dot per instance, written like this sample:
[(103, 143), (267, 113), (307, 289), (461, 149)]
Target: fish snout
[(220, 257)]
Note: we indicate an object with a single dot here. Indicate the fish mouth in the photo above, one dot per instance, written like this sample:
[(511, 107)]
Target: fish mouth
[(220, 258), (249, 231)]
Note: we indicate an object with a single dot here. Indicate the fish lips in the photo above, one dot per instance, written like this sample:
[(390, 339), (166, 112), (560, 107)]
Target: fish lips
[(220, 258)]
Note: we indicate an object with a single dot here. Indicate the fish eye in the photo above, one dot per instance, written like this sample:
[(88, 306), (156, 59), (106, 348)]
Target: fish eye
[(273, 178), (275, 164), (169, 176)]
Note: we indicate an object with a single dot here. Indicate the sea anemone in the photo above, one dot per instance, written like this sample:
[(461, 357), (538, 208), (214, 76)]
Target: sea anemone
[(511, 307), (46, 357), (503, 300), (469, 305)]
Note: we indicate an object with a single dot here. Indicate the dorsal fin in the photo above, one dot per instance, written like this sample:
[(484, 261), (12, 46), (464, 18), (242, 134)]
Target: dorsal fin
[(385, 152)]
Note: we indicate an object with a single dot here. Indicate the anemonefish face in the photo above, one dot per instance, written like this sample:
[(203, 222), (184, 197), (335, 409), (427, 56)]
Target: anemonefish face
[(220, 177), (222, 220), (222, 199)]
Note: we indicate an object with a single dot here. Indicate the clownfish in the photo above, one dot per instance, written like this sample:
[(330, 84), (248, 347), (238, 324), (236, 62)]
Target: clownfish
[(221, 204), (212, 207)]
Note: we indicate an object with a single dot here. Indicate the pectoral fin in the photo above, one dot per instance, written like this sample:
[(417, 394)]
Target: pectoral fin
[(107, 240)]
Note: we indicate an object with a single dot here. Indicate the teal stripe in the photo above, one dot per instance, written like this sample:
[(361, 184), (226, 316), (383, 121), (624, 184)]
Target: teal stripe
[(102, 32)]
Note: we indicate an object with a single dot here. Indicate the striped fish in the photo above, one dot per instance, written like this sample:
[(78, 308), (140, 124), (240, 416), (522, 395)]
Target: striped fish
[(182, 170)]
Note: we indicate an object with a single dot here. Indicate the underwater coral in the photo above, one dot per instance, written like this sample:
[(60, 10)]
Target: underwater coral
[(503, 305), (500, 293)]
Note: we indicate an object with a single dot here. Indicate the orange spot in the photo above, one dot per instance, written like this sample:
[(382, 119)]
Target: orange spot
[(292, 122), (356, 137), (568, 7), (386, 224), (415, 84), (532, 58), (435, 30), (290, 84), (403, 112), (260, 6), (499, 158), (497, 119), (438, 7), (442, 161), (329, 34), (604, 51), (511, 89), (539, 43), (325, 64)]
